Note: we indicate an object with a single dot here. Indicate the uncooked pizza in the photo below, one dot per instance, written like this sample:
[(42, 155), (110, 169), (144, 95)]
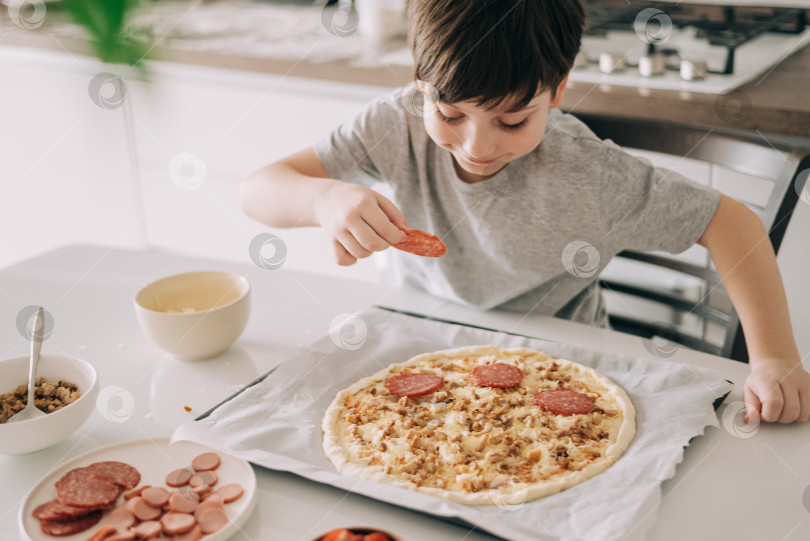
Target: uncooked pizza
[(480, 425)]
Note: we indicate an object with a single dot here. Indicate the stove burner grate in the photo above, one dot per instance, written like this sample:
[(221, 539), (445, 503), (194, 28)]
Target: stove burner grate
[(721, 26)]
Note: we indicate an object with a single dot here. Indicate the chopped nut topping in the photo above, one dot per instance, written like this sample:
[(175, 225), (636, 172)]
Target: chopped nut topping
[(535, 455), (48, 397), (411, 466), (467, 438)]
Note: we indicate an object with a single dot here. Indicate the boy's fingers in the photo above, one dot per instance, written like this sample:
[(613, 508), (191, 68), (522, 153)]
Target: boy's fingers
[(804, 407), (753, 407), (393, 230), (372, 235), (342, 256), (361, 240), (353, 246), (790, 408), (770, 395)]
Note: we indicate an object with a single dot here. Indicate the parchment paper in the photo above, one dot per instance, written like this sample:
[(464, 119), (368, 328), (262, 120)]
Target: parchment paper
[(276, 424)]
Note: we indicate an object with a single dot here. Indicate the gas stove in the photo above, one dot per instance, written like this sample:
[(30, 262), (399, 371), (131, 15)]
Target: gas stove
[(696, 47)]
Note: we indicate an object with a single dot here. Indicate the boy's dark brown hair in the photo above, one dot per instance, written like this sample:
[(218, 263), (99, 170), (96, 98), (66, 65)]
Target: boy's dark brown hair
[(488, 50)]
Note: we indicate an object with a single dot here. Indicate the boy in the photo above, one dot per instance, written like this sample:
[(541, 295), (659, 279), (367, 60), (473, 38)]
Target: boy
[(508, 182)]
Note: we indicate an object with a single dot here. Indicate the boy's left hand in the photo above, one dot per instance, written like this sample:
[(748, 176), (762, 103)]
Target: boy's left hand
[(778, 390)]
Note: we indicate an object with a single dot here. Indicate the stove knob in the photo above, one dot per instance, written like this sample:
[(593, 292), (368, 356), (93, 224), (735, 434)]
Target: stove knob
[(649, 66), (692, 70), (611, 63)]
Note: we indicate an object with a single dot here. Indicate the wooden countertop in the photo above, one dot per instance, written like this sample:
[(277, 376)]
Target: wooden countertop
[(776, 103)]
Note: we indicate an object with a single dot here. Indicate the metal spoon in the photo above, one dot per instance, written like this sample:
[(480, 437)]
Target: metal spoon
[(30, 411)]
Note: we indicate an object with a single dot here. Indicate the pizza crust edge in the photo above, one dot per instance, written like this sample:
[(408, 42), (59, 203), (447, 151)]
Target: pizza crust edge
[(335, 452)]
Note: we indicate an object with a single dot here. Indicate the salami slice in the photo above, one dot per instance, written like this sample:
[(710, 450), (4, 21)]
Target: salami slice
[(565, 402), (212, 520), (119, 473), (121, 518), (202, 482), (69, 527), (206, 477), (421, 243), (177, 523), (105, 532), (71, 476), (142, 510), (219, 503), (180, 504), (137, 491), (231, 492), (205, 462), (56, 510), (156, 496), (497, 375), (195, 534), (86, 489), (418, 384), (179, 477), (147, 529)]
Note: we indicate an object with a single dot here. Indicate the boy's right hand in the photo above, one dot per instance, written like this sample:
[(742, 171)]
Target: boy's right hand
[(359, 221)]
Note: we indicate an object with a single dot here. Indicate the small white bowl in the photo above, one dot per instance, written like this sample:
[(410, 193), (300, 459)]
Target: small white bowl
[(34, 434), (194, 315)]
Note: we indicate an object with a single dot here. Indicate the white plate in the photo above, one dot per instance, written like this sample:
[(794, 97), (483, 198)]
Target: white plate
[(154, 458)]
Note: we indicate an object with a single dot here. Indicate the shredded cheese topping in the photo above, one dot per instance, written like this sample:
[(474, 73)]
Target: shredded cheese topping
[(469, 438)]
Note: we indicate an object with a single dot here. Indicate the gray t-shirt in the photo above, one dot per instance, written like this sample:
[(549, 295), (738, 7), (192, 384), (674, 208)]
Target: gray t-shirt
[(534, 237)]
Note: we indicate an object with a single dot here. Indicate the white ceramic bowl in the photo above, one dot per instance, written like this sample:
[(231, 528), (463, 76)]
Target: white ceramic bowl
[(35, 434), (195, 315)]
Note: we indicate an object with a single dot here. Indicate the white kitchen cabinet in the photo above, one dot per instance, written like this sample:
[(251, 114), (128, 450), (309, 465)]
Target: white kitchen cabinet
[(65, 173)]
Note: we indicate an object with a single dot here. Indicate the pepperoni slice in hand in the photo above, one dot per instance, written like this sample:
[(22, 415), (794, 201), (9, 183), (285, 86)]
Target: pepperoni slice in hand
[(565, 402), (414, 384), (421, 243), (497, 375)]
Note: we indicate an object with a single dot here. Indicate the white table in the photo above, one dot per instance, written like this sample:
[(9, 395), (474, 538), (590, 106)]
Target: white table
[(727, 487)]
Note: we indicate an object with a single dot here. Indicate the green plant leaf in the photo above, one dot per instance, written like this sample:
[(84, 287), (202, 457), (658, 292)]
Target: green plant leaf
[(106, 24)]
